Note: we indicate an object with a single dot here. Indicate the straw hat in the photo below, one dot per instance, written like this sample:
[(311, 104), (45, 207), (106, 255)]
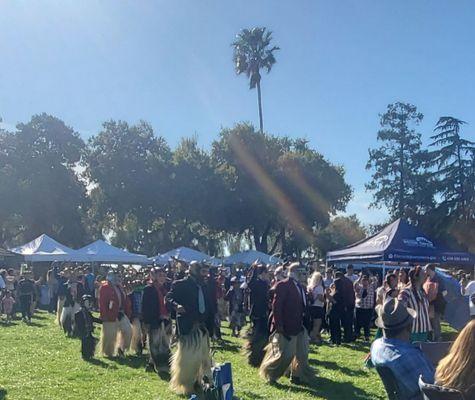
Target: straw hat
[(393, 314)]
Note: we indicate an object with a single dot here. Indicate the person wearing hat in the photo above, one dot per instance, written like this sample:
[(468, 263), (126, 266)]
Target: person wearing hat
[(395, 351), (190, 299), (85, 327), (114, 308), (288, 345), (156, 319)]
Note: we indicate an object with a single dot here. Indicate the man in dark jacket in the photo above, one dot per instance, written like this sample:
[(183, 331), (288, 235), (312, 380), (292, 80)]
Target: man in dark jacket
[(258, 288), (26, 292), (289, 343), (348, 311), (157, 320), (190, 299)]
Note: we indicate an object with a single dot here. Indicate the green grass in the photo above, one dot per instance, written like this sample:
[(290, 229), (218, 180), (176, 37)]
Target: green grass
[(38, 362)]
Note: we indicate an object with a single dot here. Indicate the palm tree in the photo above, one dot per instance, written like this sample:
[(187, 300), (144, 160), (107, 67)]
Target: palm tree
[(252, 52)]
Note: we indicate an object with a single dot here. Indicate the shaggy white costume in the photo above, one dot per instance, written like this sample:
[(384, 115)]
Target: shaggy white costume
[(191, 361)]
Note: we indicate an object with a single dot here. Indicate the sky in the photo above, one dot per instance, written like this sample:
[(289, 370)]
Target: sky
[(170, 63)]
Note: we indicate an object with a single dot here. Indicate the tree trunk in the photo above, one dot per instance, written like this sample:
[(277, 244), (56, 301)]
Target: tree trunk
[(401, 184), (259, 101)]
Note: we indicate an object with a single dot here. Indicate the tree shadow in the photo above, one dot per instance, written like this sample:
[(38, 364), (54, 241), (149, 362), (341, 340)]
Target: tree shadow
[(327, 389), (331, 365), (4, 324), (3, 394), (38, 315), (357, 346)]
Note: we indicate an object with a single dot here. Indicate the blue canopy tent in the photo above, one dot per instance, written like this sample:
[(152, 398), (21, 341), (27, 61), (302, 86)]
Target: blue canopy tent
[(399, 242)]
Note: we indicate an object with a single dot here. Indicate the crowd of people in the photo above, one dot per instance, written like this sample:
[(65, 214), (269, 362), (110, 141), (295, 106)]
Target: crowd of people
[(287, 307)]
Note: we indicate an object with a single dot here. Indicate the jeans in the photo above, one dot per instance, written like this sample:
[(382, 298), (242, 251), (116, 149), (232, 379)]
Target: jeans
[(363, 320), (348, 317)]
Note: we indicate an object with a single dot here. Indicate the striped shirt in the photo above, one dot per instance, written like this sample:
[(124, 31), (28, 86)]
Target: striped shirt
[(421, 323)]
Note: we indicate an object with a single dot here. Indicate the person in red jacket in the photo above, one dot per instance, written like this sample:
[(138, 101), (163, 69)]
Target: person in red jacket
[(289, 342), (115, 309)]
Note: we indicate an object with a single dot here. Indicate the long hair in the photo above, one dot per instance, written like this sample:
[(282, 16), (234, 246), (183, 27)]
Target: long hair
[(457, 369), (315, 280)]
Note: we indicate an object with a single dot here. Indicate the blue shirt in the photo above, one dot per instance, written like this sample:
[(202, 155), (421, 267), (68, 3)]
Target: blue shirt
[(406, 362)]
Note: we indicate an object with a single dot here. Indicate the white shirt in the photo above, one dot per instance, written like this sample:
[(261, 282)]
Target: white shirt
[(317, 290), (469, 291)]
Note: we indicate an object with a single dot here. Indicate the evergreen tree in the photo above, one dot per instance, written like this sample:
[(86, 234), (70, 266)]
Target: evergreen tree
[(399, 179), (453, 159)]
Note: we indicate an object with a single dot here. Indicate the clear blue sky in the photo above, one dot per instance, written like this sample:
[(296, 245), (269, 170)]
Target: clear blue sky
[(169, 62)]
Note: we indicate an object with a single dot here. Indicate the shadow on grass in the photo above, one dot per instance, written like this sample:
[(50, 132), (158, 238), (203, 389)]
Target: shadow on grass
[(357, 346), (331, 365), (327, 389), (3, 394), (35, 324), (99, 363), (132, 361), (250, 394), (4, 324), (226, 345)]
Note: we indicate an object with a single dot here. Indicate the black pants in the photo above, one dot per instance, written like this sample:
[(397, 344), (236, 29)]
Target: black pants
[(25, 304), (88, 346), (334, 319), (348, 317), (363, 320)]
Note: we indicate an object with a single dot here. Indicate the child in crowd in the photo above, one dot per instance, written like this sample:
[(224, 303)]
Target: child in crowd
[(7, 305)]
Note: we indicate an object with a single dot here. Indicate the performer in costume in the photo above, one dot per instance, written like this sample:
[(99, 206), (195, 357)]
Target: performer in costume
[(135, 296), (70, 307), (258, 335), (85, 327), (157, 320), (114, 308), (235, 297), (289, 343), (189, 297)]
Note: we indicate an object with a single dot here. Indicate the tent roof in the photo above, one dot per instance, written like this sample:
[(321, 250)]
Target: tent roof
[(44, 248), (250, 256), (400, 242), (101, 251), (183, 254)]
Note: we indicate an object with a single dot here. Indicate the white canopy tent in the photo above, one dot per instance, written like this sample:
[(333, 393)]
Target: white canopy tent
[(101, 251), (250, 256), (45, 249), (182, 254)]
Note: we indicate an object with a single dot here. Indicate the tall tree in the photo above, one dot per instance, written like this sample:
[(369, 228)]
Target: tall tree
[(41, 189), (253, 53), (276, 187), (453, 159), (131, 170), (399, 179)]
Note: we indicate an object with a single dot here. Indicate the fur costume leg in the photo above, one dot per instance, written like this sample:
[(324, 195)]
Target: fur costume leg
[(124, 334), (190, 361), (257, 338), (279, 354), (136, 340), (108, 338), (300, 367), (66, 320), (159, 345), (59, 309), (88, 347)]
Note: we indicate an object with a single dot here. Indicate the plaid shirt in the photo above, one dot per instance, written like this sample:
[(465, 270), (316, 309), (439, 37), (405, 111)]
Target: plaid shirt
[(406, 362), (367, 302)]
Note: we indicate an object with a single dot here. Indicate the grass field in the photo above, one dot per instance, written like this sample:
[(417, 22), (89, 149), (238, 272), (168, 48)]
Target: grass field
[(38, 362)]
